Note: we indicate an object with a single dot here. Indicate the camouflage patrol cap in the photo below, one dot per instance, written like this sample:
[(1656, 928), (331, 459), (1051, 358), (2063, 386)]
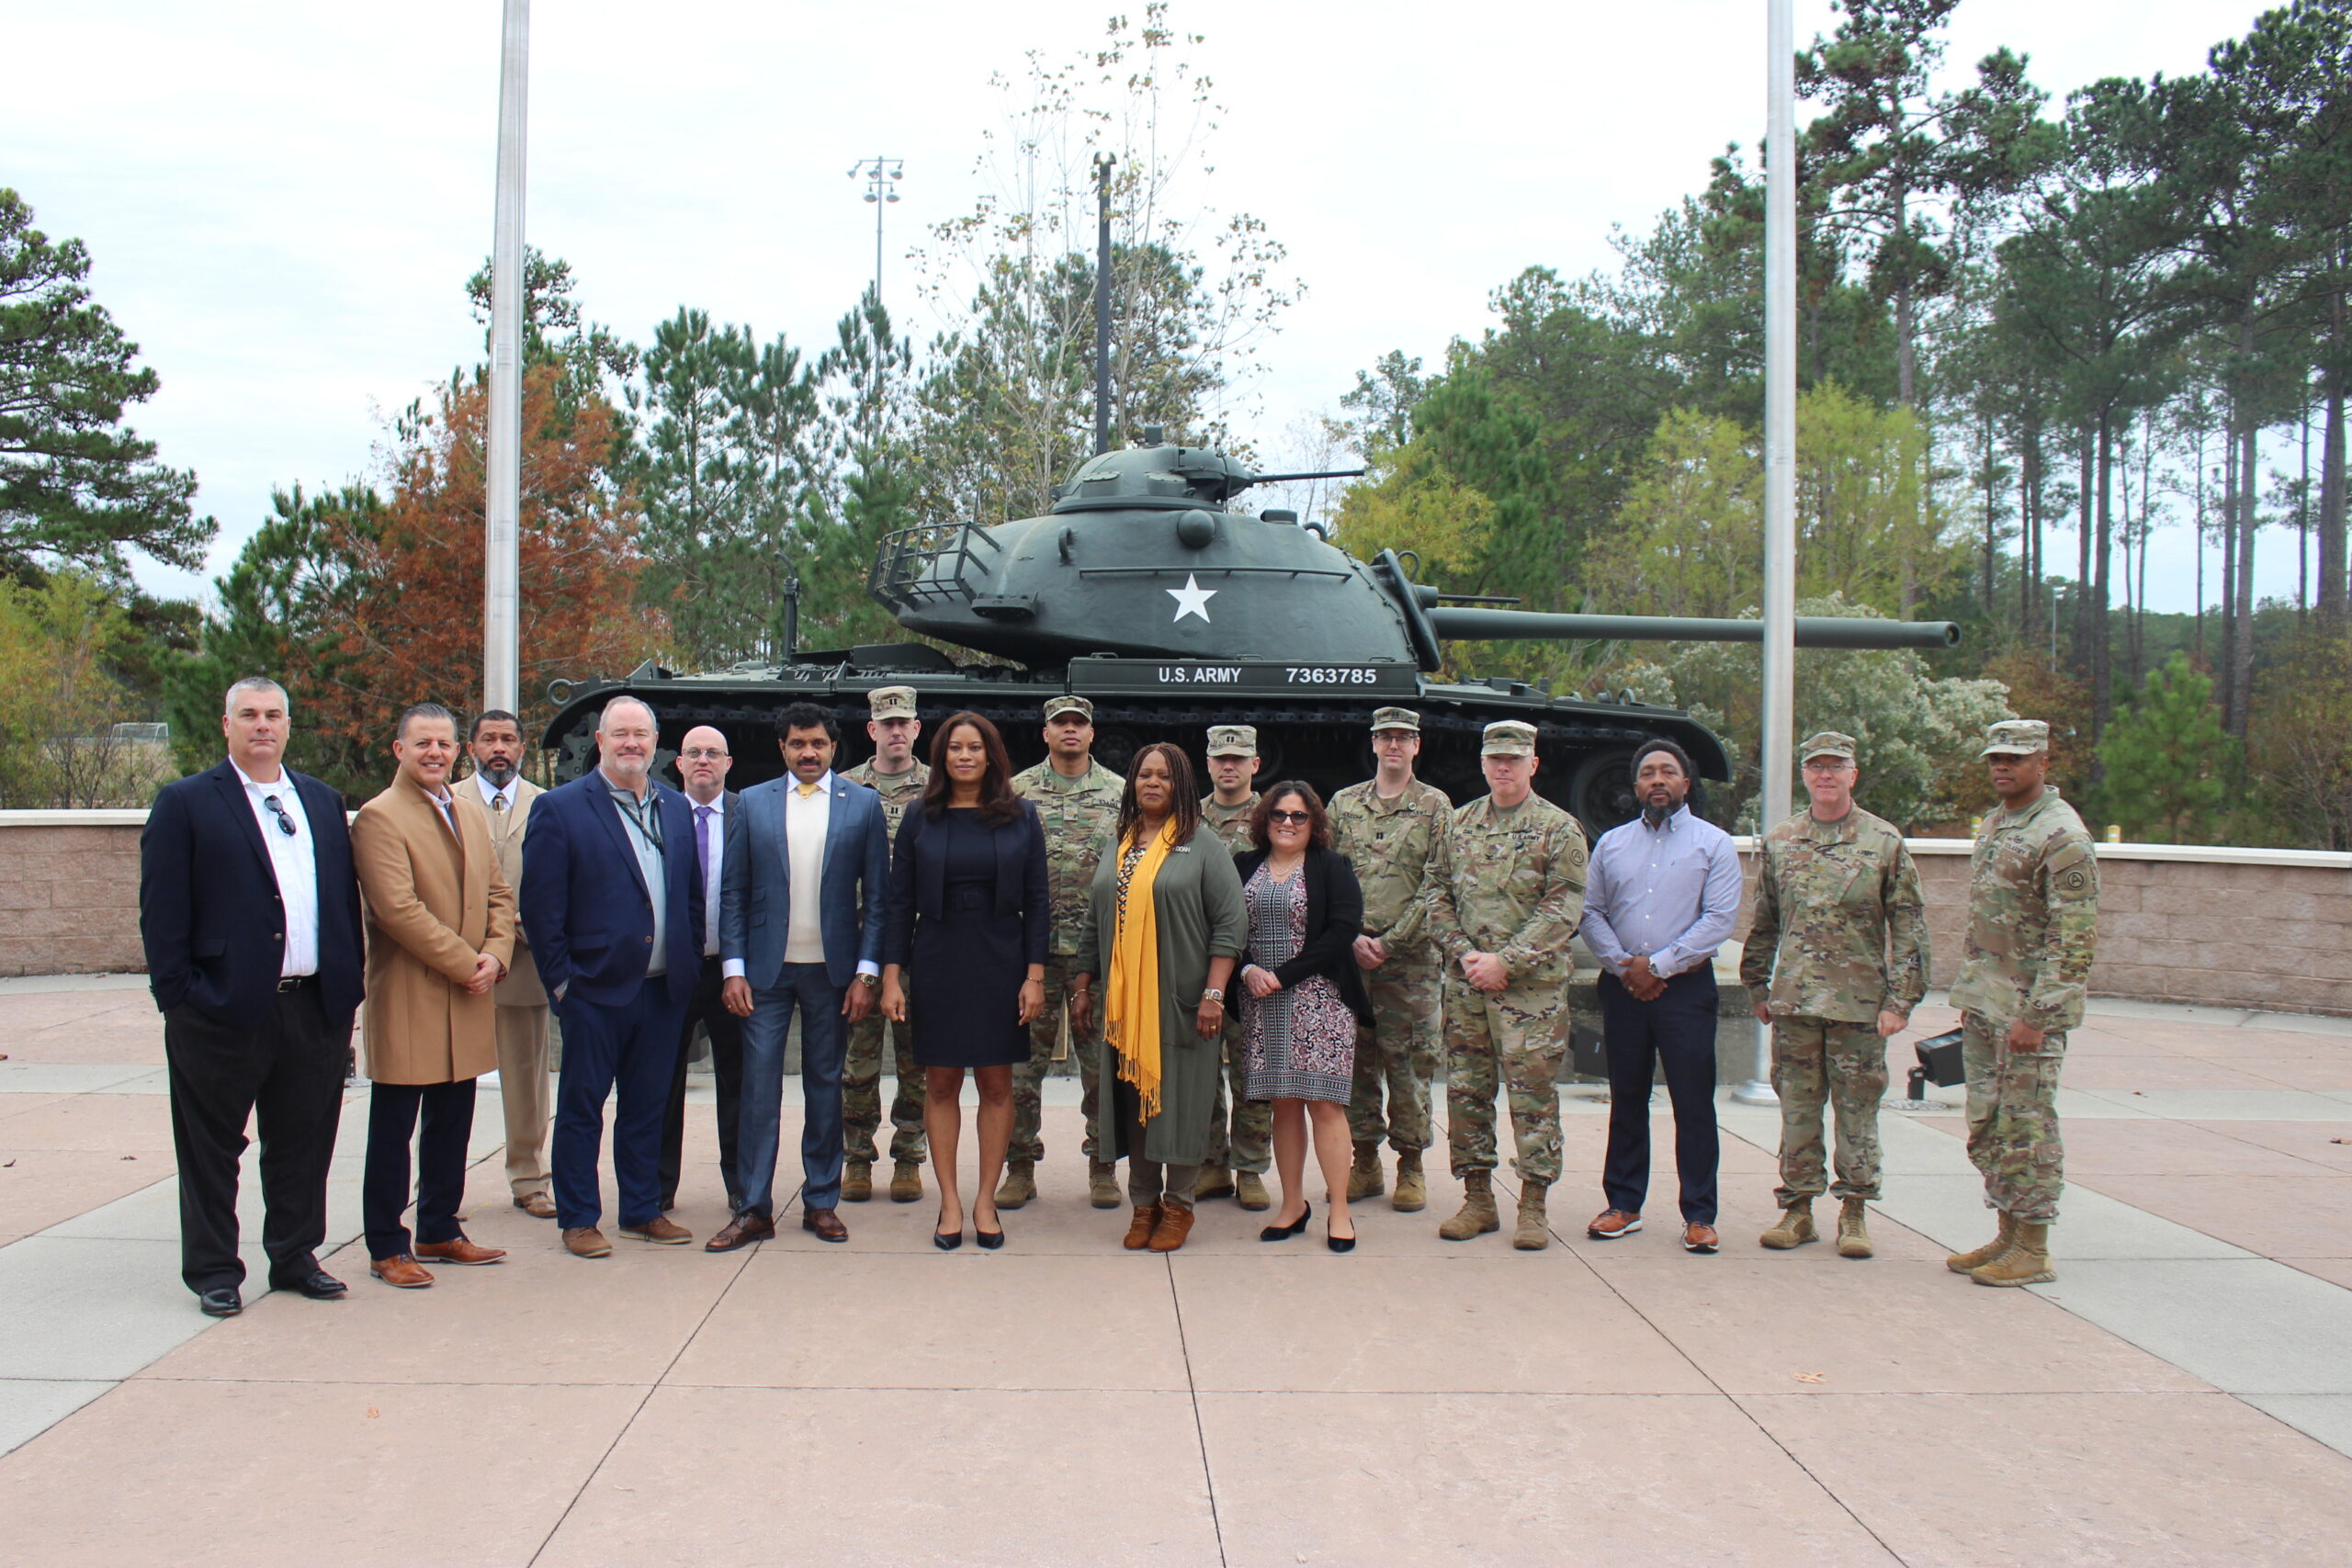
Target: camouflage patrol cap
[(1826, 744), (1233, 740), (1396, 719), (2016, 737), (891, 702), (1509, 738), (1056, 706)]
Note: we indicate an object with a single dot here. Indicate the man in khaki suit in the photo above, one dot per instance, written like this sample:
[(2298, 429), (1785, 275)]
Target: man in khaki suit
[(500, 793), (440, 933)]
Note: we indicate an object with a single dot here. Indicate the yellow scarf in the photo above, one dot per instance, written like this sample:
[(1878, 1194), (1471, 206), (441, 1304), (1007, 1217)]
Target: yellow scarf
[(1131, 994)]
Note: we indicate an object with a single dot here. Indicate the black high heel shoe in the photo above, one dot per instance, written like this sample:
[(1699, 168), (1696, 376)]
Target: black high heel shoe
[(950, 1243), (1338, 1243), (1283, 1232), (991, 1240)]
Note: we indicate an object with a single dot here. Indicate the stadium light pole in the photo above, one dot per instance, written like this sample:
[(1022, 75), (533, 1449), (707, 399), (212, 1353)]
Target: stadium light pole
[(882, 176), (503, 499), (1779, 707)]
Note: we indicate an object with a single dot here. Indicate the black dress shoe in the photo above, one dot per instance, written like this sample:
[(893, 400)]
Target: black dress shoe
[(317, 1284), (222, 1303), (1283, 1232), (991, 1240)]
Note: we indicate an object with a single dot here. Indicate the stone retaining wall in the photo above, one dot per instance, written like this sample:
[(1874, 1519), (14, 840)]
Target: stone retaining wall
[(2259, 929)]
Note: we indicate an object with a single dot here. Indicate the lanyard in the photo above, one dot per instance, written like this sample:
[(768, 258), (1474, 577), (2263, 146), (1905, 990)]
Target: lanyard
[(646, 819)]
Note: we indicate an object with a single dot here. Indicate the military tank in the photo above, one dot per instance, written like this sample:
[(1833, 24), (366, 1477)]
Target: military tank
[(1146, 589)]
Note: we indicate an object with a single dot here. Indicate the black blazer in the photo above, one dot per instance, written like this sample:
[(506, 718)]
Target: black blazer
[(919, 882), (209, 915), (1334, 920)]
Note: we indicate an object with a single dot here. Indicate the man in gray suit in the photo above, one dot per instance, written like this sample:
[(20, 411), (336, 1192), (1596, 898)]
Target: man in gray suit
[(804, 877), (505, 797)]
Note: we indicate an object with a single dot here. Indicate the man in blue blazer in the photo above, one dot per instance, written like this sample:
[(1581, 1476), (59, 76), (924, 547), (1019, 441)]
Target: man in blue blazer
[(612, 904), (249, 911), (801, 906)]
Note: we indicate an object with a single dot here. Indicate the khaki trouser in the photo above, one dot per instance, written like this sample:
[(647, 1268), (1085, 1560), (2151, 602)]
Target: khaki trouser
[(523, 1089)]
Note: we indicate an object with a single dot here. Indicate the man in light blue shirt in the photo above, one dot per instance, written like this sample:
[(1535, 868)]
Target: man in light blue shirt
[(1661, 896)]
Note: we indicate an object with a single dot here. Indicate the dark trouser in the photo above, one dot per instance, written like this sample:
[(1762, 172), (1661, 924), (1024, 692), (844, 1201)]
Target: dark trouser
[(1148, 1181), (283, 1069), (727, 1066), (1678, 1032), (447, 1112), (630, 1047), (824, 1043)]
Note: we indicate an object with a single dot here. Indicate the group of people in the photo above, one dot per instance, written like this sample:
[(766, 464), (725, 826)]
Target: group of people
[(1244, 977)]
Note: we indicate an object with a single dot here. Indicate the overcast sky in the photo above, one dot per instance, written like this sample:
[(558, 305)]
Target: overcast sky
[(283, 200)]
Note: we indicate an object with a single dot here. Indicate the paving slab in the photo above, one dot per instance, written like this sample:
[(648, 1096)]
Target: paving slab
[(66, 1078), (2154, 1147), (831, 1476), (2326, 1417), (2115, 1480), (1524, 1323), (39, 1189), (1575, 1479), (301, 1474), (84, 1310), (2327, 1143), (2308, 1215), (2248, 1325), (1951, 1211), (110, 1123), (2225, 1104), (29, 1406), (944, 1321)]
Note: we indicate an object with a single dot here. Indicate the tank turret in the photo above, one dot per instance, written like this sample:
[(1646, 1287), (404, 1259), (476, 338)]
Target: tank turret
[(1145, 588)]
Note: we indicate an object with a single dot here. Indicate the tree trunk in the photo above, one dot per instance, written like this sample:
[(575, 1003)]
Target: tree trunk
[(2082, 636), (2229, 574), (2102, 648), (2334, 593), (2242, 642), (2028, 529), (1992, 531)]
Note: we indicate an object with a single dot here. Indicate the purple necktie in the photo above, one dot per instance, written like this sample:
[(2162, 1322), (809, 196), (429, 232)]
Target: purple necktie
[(702, 839)]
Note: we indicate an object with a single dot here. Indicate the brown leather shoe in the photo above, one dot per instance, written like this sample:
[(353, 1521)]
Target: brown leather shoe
[(401, 1271), (1140, 1228), (662, 1230), (1610, 1223), (586, 1241), (1175, 1224), (459, 1251), (741, 1231), (826, 1224), (538, 1205), (1697, 1237)]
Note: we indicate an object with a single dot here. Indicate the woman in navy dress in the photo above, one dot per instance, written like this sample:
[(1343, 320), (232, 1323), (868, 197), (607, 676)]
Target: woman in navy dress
[(969, 916)]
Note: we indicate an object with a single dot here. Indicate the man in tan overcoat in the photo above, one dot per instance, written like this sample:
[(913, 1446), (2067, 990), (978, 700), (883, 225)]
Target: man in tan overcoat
[(504, 796), (440, 933)]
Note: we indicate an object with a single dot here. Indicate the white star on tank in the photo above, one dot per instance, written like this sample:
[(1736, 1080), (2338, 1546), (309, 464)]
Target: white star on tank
[(1192, 599)]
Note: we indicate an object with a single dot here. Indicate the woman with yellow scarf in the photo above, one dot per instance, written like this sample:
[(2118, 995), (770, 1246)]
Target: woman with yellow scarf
[(1165, 924)]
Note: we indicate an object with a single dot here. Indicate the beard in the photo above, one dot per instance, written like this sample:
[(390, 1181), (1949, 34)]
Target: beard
[(1655, 811), (500, 774)]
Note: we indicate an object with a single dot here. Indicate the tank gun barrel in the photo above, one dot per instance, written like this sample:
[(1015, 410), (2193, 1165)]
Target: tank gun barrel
[(1286, 479), (1466, 624)]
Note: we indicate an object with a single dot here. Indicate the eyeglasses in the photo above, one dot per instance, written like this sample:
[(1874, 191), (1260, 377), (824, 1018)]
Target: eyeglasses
[(1299, 818), (705, 754), (1828, 765), (278, 809)]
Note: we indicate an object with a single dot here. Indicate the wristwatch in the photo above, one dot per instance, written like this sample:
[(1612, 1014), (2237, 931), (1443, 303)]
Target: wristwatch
[(864, 979), (1213, 995)]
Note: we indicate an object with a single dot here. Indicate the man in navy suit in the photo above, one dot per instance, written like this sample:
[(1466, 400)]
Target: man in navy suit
[(807, 870), (249, 911), (612, 902)]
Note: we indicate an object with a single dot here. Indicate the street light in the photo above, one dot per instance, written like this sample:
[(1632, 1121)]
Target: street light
[(881, 176)]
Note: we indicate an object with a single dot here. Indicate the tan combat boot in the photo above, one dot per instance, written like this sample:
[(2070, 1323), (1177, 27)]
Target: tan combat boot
[(1102, 1185), (1853, 1230), (1365, 1179), (1962, 1262), (2026, 1262), (1020, 1184), (1215, 1181), (1534, 1232), (1249, 1192), (906, 1181), (1412, 1192), (1795, 1227), (857, 1181), (1476, 1216)]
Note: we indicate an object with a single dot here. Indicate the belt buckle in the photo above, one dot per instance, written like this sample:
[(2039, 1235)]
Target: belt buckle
[(291, 983)]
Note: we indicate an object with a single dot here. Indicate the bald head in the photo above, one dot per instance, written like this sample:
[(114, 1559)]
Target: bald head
[(703, 761)]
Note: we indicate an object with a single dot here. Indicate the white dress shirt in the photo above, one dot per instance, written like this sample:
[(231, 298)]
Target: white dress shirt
[(808, 812), (717, 809), (294, 860), (491, 798)]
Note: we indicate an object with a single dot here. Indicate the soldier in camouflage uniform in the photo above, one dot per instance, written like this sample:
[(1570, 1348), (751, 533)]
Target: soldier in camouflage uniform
[(894, 775), (1077, 799), (1237, 1162), (1836, 957), (2032, 925), (1386, 827), (1501, 901)]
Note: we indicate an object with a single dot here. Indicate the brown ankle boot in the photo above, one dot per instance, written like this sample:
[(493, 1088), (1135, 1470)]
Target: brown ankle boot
[(1140, 1228), (1175, 1224)]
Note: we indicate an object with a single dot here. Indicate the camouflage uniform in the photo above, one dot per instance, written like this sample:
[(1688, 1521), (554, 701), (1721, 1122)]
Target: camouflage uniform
[(1839, 934), (1250, 1143), (2032, 923), (861, 1066), (1080, 815), (1509, 882), (1389, 842)]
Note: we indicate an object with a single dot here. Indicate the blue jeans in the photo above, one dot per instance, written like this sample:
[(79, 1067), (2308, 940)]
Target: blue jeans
[(632, 1047), (823, 1042)]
